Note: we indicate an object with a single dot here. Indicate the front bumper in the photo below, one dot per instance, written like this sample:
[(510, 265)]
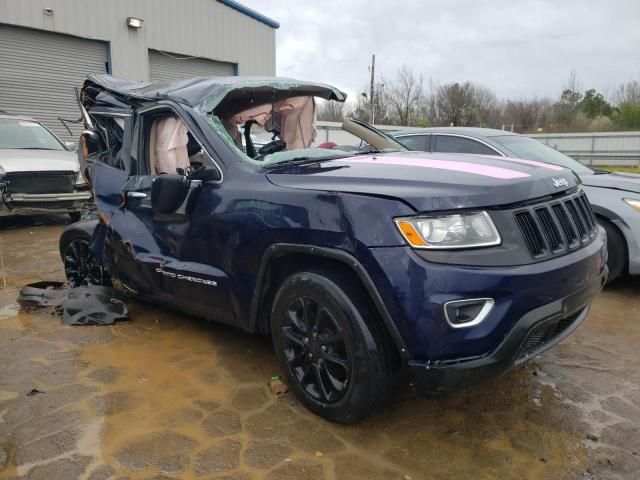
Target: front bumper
[(32, 203), (535, 332), (630, 228), (545, 300)]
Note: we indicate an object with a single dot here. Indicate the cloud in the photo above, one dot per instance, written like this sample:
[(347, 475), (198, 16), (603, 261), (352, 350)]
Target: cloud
[(518, 49)]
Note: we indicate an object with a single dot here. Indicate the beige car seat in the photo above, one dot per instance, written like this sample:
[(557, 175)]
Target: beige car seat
[(168, 140)]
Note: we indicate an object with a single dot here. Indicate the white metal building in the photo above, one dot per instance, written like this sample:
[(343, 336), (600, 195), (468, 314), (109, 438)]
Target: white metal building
[(47, 47)]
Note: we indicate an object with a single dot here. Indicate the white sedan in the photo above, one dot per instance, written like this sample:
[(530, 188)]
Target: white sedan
[(38, 173)]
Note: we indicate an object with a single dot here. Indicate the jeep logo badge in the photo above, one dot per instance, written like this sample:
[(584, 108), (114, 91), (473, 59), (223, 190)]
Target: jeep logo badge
[(560, 182)]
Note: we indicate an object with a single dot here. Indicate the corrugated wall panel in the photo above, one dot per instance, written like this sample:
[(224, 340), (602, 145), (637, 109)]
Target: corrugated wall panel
[(38, 71), (165, 67), (201, 28)]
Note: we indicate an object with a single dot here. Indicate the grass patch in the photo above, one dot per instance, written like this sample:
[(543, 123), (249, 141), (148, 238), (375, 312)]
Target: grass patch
[(618, 168)]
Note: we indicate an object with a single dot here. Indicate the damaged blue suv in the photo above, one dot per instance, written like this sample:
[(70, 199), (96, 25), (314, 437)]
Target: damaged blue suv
[(365, 264)]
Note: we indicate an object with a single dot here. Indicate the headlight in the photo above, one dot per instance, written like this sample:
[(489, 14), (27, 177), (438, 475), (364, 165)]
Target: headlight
[(635, 204), (80, 180), (464, 230)]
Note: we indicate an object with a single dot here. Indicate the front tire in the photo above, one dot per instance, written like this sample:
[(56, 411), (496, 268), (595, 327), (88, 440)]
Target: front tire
[(80, 265), (331, 346)]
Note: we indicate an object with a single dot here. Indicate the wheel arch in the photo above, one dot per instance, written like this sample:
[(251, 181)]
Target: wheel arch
[(625, 241), (293, 257), (83, 227)]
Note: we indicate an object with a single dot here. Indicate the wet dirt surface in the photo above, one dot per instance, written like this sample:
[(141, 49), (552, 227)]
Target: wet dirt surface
[(170, 396)]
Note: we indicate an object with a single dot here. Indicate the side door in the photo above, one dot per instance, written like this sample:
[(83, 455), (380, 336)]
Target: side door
[(108, 153), (158, 255)]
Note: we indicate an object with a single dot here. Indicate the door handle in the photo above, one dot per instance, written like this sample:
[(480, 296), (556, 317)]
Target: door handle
[(136, 195)]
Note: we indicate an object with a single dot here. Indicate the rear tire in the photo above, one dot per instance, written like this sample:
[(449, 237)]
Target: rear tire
[(616, 250), (333, 350)]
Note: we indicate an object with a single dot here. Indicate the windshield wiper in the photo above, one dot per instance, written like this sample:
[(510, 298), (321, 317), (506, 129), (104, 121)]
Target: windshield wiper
[(32, 148), (302, 160), (368, 152)]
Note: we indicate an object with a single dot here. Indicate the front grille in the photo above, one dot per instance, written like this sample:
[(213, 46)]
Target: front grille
[(557, 226), (39, 182), (531, 232), (543, 334)]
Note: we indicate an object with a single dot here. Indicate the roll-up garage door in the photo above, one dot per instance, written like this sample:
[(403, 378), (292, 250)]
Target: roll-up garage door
[(38, 71), (168, 67)]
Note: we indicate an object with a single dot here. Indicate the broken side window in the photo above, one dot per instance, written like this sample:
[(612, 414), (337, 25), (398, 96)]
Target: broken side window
[(110, 132)]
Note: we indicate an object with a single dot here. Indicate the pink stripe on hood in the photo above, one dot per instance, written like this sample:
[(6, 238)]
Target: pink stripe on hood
[(477, 169), (531, 162)]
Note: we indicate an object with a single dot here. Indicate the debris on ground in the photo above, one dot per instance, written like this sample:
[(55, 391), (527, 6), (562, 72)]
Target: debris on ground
[(85, 305), (3, 458), (319, 454), (93, 305), (593, 438), (278, 387), (33, 392), (43, 295)]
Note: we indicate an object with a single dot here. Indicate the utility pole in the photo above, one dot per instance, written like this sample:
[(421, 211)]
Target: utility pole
[(371, 98)]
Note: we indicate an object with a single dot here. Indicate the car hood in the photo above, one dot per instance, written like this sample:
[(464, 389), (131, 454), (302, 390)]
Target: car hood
[(431, 182), (629, 182), (23, 160)]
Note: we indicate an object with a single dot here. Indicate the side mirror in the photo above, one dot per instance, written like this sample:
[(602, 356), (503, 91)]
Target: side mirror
[(168, 192), (206, 175), (73, 146)]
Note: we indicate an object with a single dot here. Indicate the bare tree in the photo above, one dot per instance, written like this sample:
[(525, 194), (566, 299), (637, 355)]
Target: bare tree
[(427, 109), (628, 93), (566, 109), (524, 115), (331, 111), (464, 104), (572, 83), (405, 95)]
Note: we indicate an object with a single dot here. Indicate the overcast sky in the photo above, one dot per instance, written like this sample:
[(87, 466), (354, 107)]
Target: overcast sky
[(518, 49)]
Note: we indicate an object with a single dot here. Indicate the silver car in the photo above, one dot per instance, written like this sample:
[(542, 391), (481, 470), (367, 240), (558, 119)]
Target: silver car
[(615, 197), (38, 173)]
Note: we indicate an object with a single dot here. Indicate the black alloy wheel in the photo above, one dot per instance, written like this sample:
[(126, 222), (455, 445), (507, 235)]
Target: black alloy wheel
[(80, 265), (333, 349), (315, 349)]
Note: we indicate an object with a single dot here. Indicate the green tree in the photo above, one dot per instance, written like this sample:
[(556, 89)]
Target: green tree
[(627, 116), (593, 104)]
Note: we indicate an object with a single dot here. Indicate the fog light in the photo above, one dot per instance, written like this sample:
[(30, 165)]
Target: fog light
[(467, 313)]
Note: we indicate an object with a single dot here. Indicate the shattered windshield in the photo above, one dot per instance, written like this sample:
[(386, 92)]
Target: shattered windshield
[(284, 130), (26, 134)]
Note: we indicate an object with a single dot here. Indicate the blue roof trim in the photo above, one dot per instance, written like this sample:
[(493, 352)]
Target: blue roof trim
[(251, 13)]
